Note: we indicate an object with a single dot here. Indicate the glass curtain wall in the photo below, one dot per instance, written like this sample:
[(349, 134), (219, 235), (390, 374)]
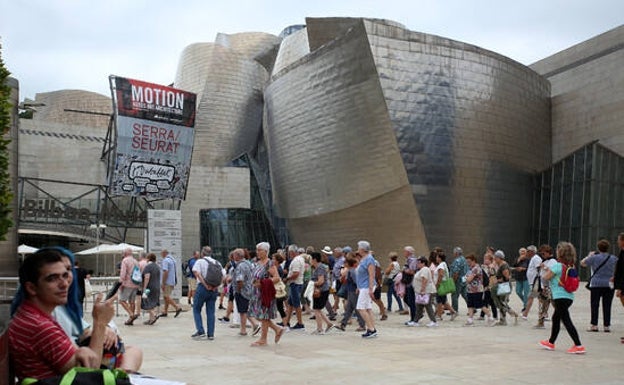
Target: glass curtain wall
[(580, 199)]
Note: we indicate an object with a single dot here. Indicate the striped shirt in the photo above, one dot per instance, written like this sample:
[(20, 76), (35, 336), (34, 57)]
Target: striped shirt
[(38, 346)]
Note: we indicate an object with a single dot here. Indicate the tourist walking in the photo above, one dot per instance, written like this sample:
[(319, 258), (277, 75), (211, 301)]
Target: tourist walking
[(566, 255)]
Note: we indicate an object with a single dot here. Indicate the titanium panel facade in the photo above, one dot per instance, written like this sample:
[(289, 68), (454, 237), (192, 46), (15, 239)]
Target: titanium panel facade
[(469, 126)]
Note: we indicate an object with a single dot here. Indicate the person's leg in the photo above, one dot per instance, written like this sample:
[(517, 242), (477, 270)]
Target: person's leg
[(398, 299), (429, 309), (410, 301), (607, 301), (455, 297), (389, 294), (564, 314), (594, 304), (198, 302), (556, 322), (211, 300), (132, 359)]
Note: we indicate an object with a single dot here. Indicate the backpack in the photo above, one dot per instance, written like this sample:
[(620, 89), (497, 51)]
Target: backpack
[(378, 274), (569, 278), (214, 273), (187, 268), (136, 277)]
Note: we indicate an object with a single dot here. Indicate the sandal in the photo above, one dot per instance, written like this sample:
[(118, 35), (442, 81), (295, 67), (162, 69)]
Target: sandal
[(258, 343)]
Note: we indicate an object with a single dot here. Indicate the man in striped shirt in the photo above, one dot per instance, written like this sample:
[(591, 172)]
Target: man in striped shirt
[(38, 346)]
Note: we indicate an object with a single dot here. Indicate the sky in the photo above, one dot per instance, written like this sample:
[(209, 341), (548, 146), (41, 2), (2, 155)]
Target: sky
[(50, 45)]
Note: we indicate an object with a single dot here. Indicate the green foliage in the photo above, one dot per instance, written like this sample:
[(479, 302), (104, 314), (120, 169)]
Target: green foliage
[(6, 195)]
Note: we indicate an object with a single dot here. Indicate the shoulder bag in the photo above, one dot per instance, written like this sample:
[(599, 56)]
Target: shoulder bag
[(595, 271), (447, 285)]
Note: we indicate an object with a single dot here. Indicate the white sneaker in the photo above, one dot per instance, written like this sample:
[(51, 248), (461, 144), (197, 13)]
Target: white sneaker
[(411, 323), (432, 325)]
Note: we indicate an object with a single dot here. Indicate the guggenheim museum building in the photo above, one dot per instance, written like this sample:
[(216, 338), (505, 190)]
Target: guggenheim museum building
[(345, 129)]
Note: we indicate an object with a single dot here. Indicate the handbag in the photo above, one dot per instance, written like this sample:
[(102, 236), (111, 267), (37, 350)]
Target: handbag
[(595, 271), (422, 299), (84, 376), (447, 285), (503, 288), (280, 289)]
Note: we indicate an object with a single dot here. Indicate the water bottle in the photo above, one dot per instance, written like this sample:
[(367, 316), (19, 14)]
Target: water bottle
[(145, 293)]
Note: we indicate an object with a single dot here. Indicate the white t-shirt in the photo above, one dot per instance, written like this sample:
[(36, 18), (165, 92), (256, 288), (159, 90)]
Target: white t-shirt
[(534, 264), (441, 266), (297, 264), (423, 274)]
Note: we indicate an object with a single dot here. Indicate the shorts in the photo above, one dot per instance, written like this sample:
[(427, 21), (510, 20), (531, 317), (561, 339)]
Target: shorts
[(474, 300), (167, 291), (192, 284), (242, 303), (377, 292), (364, 300), (127, 294), (320, 302), (294, 299), (440, 299)]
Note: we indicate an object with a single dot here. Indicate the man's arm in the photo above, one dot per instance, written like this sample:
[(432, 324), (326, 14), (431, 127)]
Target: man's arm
[(91, 356)]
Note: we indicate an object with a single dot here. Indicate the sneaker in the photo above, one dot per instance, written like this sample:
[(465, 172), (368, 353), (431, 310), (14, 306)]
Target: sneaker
[(210, 338), (453, 316), (370, 334), (469, 323), (576, 350), (432, 324), (224, 320), (548, 346), (410, 323), (525, 318), (298, 327), (198, 335)]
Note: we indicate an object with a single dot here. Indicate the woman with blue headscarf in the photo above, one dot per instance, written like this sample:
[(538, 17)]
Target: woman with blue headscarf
[(69, 317)]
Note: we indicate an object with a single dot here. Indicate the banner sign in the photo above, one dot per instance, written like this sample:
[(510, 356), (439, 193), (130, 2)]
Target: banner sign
[(155, 134)]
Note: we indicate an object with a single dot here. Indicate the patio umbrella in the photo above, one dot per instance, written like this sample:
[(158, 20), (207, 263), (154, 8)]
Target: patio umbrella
[(25, 249)]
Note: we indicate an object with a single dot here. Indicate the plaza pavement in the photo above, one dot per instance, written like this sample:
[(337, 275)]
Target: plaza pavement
[(449, 354)]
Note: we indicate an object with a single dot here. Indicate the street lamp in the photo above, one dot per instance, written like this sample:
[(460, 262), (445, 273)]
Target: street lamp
[(97, 228)]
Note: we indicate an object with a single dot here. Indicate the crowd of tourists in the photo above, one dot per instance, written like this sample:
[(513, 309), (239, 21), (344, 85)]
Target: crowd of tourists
[(340, 288)]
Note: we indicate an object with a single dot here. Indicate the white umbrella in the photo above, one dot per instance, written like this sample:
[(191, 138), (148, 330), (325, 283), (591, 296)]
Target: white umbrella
[(110, 249), (25, 249)]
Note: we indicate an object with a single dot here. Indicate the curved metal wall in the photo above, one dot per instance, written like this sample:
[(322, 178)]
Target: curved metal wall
[(470, 127)]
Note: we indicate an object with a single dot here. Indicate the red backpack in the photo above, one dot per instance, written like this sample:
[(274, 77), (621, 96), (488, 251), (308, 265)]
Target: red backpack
[(569, 278)]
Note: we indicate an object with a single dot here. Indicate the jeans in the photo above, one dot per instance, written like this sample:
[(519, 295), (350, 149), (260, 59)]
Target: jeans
[(209, 298), (460, 289), (522, 290), (606, 294), (392, 293), (562, 314)]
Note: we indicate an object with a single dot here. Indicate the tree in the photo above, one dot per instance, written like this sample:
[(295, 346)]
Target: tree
[(6, 196)]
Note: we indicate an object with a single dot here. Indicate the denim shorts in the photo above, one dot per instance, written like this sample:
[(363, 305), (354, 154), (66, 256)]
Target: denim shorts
[(294, 298)]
